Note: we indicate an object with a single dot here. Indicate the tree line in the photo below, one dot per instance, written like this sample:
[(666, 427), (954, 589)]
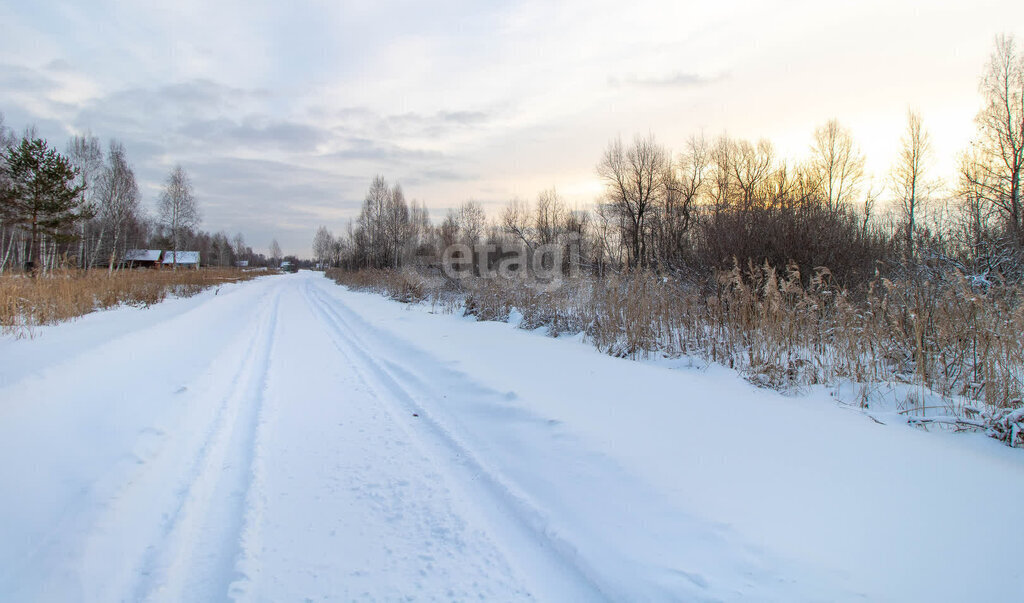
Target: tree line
[(723, 201), (83, 208)]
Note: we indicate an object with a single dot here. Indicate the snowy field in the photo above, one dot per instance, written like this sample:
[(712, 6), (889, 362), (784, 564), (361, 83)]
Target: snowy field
[(285, 439)]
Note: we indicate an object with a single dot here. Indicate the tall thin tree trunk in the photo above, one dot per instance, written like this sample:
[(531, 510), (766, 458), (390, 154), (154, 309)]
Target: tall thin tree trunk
[(99, 245), (30, 267), (10, 249), (113, 250), (81, 248)]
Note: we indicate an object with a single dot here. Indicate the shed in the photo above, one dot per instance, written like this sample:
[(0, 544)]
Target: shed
[(186, 259), (142, 258)]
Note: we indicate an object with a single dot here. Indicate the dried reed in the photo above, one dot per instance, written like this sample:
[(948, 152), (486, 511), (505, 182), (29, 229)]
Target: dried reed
[(942, 331), (27, 302)]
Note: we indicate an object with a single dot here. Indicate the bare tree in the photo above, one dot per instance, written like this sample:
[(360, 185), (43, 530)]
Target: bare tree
[(385, 225), (238, 244), (275, 252), (684, 183), (908, 176), (85, 154), (337, 251), (322, 244), (752, 167), (221, 247), (396, 224), (448, 232), (550, 216), (722, 181), (634, 186), (867, 208), (374, 206), (515, 221), (998, 160), (177, 209), (977, 215), (838, 164), (472, 220), (419, 221), (117, 195)]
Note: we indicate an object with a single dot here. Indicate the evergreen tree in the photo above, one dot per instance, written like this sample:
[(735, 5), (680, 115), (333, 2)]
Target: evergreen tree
[(40, 194)]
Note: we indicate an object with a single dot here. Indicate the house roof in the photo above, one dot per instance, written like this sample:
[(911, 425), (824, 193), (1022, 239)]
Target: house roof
[(184, 257), (142, 255)]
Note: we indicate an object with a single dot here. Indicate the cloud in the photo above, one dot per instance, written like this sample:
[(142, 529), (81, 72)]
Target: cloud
[(256, 133), (362, 121), (183, 99), (25, 80), (365, 149), (675, 80), (431, 175), (41, 96), (59, 66), (263, 197), (434, 125), (293, 109)]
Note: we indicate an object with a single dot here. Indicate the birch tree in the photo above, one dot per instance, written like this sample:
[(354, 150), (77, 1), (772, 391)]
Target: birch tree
[(238, 244), (909, 175), (177, 209), (85, 153), (998, 158), (838, 163), (322, 242), (371, 220), (275, 252), (6, 142), (118, 197), (396, 224)]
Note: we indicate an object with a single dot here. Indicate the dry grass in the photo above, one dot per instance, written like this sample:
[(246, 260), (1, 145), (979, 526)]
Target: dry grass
[(954, 338), (58, 296), (409, 287)]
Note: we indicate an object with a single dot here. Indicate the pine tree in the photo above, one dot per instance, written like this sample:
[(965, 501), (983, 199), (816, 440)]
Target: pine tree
[(40, 194)]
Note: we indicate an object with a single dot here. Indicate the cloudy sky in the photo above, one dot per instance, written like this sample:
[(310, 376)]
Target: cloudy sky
[(282, 112)]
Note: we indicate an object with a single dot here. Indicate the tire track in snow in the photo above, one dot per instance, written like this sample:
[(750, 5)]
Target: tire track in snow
[(203, 537), (541, 553), (624, 536), (117, 523), (346, 505), (154, 524)]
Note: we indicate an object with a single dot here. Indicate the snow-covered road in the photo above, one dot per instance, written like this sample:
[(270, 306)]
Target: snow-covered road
[(285, 439)]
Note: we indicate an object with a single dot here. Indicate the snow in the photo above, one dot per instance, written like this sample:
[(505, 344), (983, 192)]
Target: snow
[(287, 439), (181, 257), (142, 255)]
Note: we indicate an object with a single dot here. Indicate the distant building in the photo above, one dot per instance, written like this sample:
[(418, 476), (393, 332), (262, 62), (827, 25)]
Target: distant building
[(185, 259), (142, 258), (242, 264)]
